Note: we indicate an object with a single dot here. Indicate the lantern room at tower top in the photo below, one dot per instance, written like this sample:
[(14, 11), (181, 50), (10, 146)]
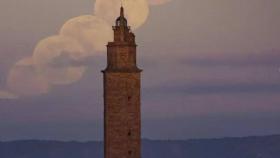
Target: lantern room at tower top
[(122, 32)]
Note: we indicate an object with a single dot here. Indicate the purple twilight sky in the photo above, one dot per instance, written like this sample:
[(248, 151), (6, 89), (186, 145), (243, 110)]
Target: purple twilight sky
[(211, 69)]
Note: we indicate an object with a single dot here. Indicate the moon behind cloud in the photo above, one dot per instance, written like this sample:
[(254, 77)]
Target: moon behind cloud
[(91, 32)]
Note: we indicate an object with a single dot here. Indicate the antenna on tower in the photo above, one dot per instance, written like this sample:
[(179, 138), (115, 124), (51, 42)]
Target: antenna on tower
[(122, 10)]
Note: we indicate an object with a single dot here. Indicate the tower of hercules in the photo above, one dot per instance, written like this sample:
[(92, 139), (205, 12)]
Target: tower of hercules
[(122, 114)]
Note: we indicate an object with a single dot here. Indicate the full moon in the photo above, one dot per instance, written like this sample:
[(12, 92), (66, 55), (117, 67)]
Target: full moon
[(136, 11)]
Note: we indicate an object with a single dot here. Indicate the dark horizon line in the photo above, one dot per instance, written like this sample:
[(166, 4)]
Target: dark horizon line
[(143, 139)]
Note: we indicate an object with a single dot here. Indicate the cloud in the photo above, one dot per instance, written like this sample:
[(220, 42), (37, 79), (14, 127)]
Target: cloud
[(61, 58), (23, 79), (51, 48), (216, 89), (136, 11), (92, 32), (65, 60), (268, 58), (214, 71), (7, 95)]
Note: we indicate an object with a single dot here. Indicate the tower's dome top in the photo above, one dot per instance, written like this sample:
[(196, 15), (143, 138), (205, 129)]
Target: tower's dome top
[(121, 20)]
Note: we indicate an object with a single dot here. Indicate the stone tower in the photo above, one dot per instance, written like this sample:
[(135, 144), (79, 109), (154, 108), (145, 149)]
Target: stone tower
[(122, 120)]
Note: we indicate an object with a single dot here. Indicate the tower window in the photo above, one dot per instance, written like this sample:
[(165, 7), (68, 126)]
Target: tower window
[(129, 152), (129, 133), (129, 98)]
